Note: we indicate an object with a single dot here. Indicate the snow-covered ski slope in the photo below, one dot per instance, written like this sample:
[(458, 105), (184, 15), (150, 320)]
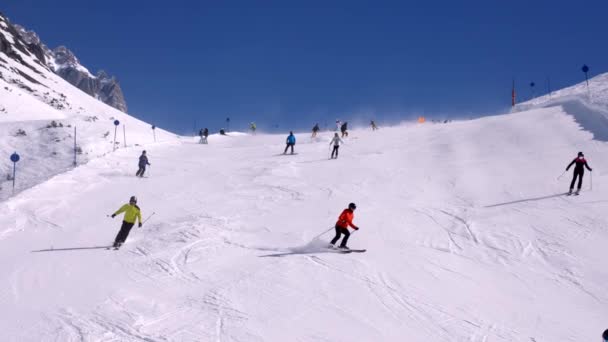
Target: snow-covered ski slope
[(468, 235), (31, 98)]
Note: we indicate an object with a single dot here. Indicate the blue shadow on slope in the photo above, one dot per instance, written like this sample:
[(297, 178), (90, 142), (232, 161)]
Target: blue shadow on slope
[(526, 200)]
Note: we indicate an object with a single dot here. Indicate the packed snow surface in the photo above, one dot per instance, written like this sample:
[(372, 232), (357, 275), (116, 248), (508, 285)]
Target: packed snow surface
[(469, 237)]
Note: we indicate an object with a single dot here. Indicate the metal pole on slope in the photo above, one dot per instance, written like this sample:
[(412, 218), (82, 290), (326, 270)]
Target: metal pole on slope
[(116, 123), (585, 69), (14, 158), (75, 149), (124, 134), (532, 84), (513, 94), (549, 86), (154, 132)]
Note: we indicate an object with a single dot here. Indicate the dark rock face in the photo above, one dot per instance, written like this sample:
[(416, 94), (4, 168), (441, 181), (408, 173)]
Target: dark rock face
[(64, 63)]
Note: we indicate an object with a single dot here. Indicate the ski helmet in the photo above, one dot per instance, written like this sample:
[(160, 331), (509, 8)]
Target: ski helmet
[(144, 152), (352, 206), (580, 154), (605, 335), (133, 199)]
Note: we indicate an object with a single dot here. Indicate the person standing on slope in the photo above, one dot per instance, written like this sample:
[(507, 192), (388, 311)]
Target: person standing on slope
[(291, 142), (373, 124), (252, 127), (579, 171), (132, 214), (205, 135), (336, 142), (344, 221), (143, 162), (315, 130), (343, 129)]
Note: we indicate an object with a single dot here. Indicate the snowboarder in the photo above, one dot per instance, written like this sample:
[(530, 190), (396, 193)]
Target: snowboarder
[(579, 171), (315, 130), (336, 142), (343, 129), (291, 141), (143, 161), (373, 124), (344, 221), (252, 127), (132, 214)]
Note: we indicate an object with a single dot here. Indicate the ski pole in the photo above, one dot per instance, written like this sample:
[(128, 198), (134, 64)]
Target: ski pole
[(591, 188), (146, 220), (327, 231), (560, 176)]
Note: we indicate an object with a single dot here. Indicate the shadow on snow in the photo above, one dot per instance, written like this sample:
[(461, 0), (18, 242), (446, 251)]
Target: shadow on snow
[(526, 200)]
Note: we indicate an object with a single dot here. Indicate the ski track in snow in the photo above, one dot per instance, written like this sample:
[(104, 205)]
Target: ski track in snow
[(235, 250)]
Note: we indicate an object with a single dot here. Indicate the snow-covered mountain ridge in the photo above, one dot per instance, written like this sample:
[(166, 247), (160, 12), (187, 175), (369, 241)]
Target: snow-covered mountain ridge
[(64, 63), (39, 111)]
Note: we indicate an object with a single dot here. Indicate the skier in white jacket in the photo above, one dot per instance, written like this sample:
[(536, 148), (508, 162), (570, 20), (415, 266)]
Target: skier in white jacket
[(336, 141)]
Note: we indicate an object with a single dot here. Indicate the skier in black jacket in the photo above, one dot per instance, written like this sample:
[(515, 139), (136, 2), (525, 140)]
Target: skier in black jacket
[(143, 162), (579, 171)]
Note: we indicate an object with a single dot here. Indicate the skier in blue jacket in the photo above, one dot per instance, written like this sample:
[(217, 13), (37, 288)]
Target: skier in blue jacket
[(143, 162), (291, 142)]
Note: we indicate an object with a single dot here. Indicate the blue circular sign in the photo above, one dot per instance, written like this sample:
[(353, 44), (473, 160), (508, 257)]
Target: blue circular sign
[(532, 84), (15, 157), (153, 127), (585, 68), (116, 122)]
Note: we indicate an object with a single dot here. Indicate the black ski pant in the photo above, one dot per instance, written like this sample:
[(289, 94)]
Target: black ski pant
[(339, 232), (123, 233), (286, 147), (335, 151), (140, 172), (578, 174)]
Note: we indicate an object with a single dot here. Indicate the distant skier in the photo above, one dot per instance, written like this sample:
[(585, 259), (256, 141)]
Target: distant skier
[(205, 135), (143, 162), (132, 214), (252, 127), (315, 130), (336, 141), (343, 129), (338, 124), (373, 124), (290, 141), (222, 132), (579, 171), (344, 221)]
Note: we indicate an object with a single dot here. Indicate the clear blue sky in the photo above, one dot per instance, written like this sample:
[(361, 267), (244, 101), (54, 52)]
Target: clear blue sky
[(294, 63)]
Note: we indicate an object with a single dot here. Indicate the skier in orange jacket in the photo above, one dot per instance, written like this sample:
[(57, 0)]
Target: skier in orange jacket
[(344, 221)]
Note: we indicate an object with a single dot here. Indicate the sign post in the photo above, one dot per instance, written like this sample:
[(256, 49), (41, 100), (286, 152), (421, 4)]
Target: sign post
[(532, 84), (14, 158), (585, 69), (227, 124), (75, 149), (116, 123), (154, 132)]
